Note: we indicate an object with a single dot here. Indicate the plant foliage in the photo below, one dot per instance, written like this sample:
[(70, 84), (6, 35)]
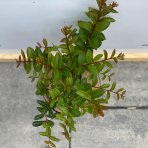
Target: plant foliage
[(71, 80)]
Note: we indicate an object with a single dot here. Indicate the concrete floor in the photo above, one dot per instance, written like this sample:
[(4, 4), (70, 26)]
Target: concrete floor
[(118, 129)]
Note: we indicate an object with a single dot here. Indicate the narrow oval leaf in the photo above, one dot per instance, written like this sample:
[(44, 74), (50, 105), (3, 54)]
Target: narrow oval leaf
[(30, 53), (113, 53), (113, 86), (81, 58), (54, 138), (23, 55), (98, 57), (108, 64), (103, 24), (75, 112), (83, 94), (105, 54), (37, 123), (45, 42), (40, 116), (89, 56), (42, 103), (121, 89), (105, 85), (27, 67), (85, 25)]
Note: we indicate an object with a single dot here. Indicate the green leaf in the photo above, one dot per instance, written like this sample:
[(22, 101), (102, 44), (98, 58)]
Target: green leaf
[(96, 40), (108, 95), (49, 123), (89, 56), (78, 101), (97, 93), (73, 33), (114, 11), (69, 81), (61, 117), (85, 25), (121, 89), (47, 133), (38, 52), (65, 133), (108, 64), (83, 34), (31, 53), (37, 67), (52, 144), (55, 75), (98, 57), (94, 43), (113, 53), (53, 102), (105, 54), (75, 111), (106, 71), (118, 96), (107, 10), (103, 24), (73, 40), (115, 60), (80, 70), (42, 103), (37, 123), (104, 101), (54, 93), (113, 86), (63, 109), (70, 123), (40, 109), (23, 55), (40, 116), (66, 72), (80, 43), (93, 69), (100, 67), (53, 48), (95, 80), (84, 94), (44, 134), (45, 42), (27, 67), (63, 40), (55, 60), (81, 58), (105, 85), (92, 14), (54, 138)]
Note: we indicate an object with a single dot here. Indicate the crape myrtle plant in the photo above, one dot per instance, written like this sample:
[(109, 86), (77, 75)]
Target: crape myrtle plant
[(70, 79)]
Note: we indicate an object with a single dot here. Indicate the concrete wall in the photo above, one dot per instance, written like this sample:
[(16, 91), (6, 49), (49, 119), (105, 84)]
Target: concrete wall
[(118, 129)]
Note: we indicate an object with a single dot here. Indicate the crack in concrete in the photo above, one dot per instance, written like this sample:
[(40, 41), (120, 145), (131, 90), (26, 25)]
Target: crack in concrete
[(128, 107)]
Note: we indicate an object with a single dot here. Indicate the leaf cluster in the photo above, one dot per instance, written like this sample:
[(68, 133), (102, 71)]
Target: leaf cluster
[(71, 80)]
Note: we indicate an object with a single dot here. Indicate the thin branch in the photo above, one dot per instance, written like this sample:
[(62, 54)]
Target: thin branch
[(96, 62), (95, 25), (67, 44)]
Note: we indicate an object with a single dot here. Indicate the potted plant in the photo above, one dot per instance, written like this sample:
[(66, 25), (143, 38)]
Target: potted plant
[(71, 80)]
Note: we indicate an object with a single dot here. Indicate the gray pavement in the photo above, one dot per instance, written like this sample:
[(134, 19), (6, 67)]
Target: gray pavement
[(118, 129)]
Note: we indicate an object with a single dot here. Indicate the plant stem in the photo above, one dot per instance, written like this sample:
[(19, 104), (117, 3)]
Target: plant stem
[(94, 26), (70, 133), (67, 44), (96, 62)]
